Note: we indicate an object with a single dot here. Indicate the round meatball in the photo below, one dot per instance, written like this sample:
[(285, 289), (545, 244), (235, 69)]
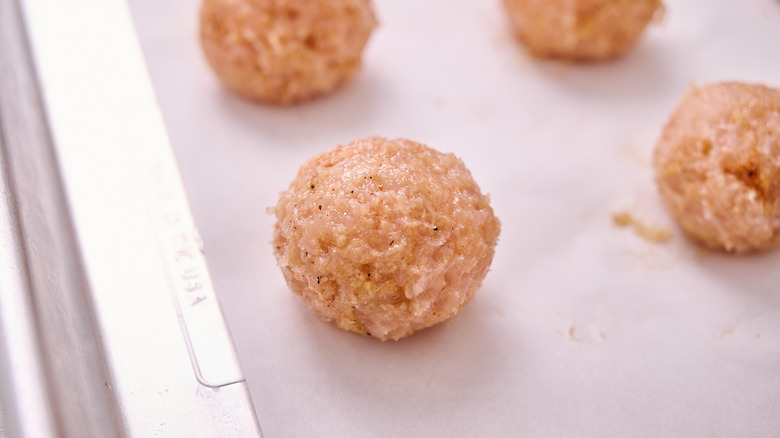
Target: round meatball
[(580, 30), (718, 166), (384, 237), (284, 51)]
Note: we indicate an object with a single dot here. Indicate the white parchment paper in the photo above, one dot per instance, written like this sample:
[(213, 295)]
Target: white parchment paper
[(581, 328)]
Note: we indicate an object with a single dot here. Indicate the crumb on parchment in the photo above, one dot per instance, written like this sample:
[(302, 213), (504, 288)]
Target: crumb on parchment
[(648, 232)]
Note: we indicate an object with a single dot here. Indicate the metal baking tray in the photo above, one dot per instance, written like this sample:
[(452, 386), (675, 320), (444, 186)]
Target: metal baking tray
[(109, 325)]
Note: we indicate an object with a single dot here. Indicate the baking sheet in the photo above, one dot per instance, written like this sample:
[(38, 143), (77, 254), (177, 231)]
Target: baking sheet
[(581, 328)]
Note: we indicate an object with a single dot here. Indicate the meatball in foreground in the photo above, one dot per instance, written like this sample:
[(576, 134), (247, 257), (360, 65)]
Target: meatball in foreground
[(718, 166), (284, 51), (384, 237), (580, 30)]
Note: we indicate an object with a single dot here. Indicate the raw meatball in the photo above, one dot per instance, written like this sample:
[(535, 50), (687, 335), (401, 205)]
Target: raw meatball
[(580, 30), (284, 51), (718, 166), (384, 237)]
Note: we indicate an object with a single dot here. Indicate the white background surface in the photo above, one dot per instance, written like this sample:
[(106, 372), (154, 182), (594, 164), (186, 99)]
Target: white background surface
[(581, 328)]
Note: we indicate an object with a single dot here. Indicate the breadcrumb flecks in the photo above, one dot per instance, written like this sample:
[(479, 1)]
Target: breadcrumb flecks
[(386, 261)]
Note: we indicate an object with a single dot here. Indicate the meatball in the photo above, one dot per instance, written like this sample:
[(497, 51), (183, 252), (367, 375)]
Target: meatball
[(580, 30), (285, 51), (384, 237), (718, 166)]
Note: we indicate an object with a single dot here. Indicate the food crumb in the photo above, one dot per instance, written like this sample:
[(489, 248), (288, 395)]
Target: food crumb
[(622, 219), (647, 232)]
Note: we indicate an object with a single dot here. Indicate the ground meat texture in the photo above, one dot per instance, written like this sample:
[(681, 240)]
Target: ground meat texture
[(718, 166), (284, 51), (580, 30), (384, 237)]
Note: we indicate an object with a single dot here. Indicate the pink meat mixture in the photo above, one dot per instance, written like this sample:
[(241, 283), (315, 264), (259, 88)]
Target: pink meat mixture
[(385, 237)]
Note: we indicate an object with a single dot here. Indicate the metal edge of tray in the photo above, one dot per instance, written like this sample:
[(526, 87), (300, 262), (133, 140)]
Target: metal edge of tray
[(117, 328), (48, 337)]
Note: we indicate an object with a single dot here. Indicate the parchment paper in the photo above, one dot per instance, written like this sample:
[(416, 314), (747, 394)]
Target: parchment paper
[(581, 328)]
